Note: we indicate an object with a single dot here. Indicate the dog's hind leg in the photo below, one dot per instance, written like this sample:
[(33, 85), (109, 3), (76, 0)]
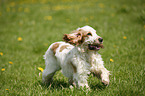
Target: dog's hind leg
[(51, 67)]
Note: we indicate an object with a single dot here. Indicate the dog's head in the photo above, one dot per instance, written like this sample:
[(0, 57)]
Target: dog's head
[(85, 36)]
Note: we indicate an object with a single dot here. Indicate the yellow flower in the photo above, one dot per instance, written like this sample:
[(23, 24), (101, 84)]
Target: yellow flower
[(86, 19), (1, 53), (111, 60), (142, 38), (0, 13), (91, 17), (101, 5), (26, 10), (114, 46), (41, 69), (7, 89), (8, 9), (21, 23), (144, 26), (12, 4), (10, 62), (3, 69), (68, 20), (112, 15), (57, 8), (19, 39), (124, 37), (45, 44), (48, 18)]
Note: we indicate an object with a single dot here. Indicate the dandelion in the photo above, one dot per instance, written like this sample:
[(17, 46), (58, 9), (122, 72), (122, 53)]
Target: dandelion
[(26, 10), (142, 39), (112, 15), (19, 39), (86, 19), (3, 69), (91, 17), (33, 22), (48, 18), (1, 53), (114, 46), (7, 89), (144, 26), (111, 60), (57, 8), (8, 9), (101, 5), (68, 20), (21, 23), (43, 1), (0, 13), (10, 62), (45, 44), (12, 4), (41, 69), (124, 37)]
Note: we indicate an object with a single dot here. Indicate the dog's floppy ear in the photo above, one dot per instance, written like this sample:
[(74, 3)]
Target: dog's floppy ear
[(75, 38)]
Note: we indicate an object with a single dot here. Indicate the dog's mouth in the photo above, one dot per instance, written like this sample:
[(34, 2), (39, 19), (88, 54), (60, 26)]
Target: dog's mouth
[(95, 46)]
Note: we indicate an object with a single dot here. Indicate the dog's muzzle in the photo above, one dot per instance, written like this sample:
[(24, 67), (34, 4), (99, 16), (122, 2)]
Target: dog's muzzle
[(95, 46)]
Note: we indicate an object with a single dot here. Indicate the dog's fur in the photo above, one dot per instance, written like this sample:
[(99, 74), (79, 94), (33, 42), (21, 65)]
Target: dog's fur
[(76, 57)]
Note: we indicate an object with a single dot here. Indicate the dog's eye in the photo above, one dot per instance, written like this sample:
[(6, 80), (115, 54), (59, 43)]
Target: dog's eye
[(79, 34), (89, 34)]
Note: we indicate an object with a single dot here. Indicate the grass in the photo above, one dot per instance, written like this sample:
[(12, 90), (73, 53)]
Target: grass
[(41, 22)]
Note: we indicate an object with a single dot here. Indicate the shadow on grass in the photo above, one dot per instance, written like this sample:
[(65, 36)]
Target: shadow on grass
[(98, 86), (55, 84), (62, 84)]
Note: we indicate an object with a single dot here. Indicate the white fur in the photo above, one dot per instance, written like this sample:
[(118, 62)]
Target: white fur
[(76, 62)]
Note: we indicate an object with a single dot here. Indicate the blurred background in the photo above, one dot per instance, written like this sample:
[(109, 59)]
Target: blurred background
[(28, 27)]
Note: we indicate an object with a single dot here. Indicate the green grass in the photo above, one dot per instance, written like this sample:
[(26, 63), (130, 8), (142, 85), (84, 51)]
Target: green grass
[(41, 22)]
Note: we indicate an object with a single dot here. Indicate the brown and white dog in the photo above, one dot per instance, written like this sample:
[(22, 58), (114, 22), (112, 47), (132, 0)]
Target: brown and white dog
[(77, 57)]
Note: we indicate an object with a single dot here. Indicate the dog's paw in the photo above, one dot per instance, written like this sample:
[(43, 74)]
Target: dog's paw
[(106, 83)]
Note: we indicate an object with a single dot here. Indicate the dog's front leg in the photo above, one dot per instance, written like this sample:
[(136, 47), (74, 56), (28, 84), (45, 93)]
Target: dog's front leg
[(80, 80), (81, 74), (99, 70), (105, 76)]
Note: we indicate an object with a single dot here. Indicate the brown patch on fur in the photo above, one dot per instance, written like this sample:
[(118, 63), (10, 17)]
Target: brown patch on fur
[(74, 68), (63, 47), (76, 37), (54, 47)]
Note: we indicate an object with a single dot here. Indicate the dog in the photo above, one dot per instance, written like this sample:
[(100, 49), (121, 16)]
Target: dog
[(77, 57)]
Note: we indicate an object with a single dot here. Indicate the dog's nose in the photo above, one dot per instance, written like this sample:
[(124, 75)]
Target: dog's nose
[(100, 40)]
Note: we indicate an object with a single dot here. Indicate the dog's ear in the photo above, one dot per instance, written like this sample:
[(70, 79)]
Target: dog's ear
[(75, 38)]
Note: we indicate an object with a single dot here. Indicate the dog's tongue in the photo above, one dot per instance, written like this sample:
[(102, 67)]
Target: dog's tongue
[(96, 47), (101, 45)]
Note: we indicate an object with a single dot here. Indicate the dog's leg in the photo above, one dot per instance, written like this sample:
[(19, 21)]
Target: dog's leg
[(71, 82), (80, 80), (47, 77), (51, 67), (103, 74), (81, 74), (99, 70)]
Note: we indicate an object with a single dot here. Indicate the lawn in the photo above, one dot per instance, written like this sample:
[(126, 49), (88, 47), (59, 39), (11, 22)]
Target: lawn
[(28, 27)]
